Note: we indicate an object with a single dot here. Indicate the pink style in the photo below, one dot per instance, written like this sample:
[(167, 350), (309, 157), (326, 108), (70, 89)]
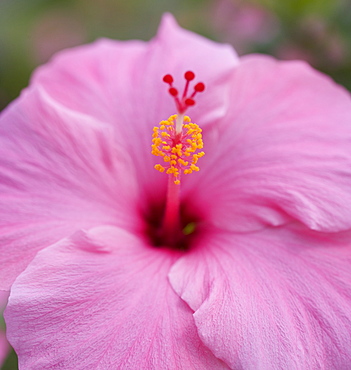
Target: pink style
[(258, 276)]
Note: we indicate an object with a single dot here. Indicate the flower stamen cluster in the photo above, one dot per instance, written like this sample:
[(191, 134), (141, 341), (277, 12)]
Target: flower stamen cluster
[(178, 150)]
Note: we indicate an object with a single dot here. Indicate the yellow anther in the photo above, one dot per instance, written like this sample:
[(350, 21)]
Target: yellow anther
[(157, 141), (160, 168), (182, 162), (172, 170), (178, 149)]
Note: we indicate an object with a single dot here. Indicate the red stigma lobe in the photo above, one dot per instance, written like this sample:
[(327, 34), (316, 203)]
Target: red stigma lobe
[(186, 100), (189, 76), (168, 79)]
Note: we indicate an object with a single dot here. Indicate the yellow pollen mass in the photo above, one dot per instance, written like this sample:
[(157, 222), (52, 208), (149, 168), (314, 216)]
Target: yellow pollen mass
[(179, 150)]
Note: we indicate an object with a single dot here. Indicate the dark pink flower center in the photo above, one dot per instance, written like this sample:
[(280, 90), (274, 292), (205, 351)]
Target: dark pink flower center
[(191, 224)]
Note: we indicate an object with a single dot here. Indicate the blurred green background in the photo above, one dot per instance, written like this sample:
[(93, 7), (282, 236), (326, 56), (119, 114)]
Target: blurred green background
[(318, 31), (31, 31)]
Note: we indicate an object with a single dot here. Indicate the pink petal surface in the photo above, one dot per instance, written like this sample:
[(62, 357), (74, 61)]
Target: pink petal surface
[(75, 154), (283, 151), (3, 298), (101, 300), (274, 299), (60, 171), (75, 147), (121, 83)]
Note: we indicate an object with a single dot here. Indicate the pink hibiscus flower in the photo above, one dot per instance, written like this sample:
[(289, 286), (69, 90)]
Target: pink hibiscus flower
[(260, 278)]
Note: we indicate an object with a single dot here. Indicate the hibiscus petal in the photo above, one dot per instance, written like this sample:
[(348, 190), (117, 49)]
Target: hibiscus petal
[(59, 172), (179, 50), (101, 300), (121, 83), (282, 152), (274, 299), (81, 134)]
